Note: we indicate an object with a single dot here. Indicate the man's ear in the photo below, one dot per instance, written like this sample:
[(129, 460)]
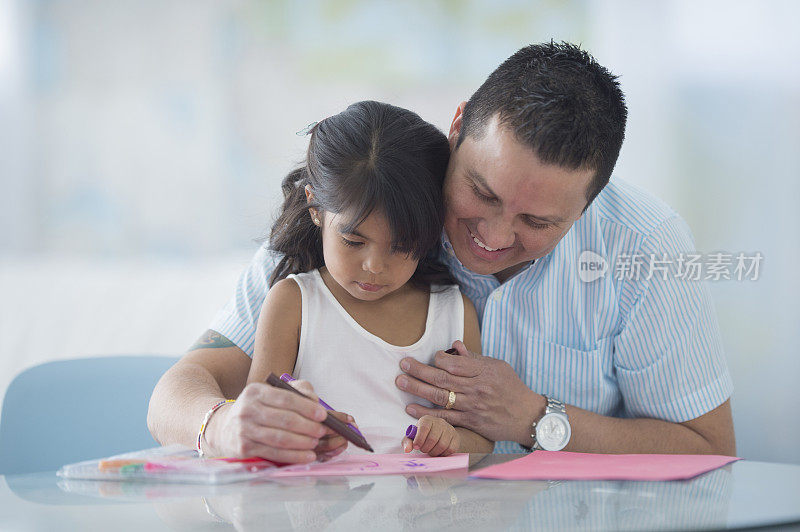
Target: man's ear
[(455, 126)]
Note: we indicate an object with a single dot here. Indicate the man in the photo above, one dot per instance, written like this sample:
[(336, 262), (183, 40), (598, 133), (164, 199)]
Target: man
[(577, 357)]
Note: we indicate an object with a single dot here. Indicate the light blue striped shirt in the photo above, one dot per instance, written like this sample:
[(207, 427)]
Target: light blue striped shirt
[(620, 345)]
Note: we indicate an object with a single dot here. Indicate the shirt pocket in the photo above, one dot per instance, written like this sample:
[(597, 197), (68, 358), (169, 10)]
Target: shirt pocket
[(584, 378)]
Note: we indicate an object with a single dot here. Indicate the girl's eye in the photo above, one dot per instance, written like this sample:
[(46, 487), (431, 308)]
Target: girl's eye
[(351, 243), (483, 197)]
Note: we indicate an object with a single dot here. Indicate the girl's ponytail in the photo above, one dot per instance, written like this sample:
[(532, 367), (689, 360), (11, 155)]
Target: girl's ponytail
[(293, 234)]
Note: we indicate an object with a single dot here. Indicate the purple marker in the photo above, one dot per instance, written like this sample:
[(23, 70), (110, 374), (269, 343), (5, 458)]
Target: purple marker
[(288, 378), (411, 432)]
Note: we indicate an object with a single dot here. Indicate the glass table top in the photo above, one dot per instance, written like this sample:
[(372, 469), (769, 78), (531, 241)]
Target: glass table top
[(740, 495)]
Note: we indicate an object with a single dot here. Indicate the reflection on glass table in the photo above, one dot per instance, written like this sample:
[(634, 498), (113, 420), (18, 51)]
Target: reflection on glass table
[(739, 495)]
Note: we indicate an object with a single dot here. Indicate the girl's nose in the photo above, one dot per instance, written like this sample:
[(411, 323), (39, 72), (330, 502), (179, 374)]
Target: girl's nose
[(373, 264)]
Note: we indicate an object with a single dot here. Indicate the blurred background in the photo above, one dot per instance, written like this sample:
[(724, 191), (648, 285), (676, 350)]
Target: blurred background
[(142, 145)]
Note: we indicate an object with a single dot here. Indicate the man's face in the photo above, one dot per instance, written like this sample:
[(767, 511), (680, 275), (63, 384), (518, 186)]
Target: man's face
[(504, 207)]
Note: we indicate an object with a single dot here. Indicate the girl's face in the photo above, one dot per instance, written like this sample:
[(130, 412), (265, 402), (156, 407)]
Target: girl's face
[(363, 262)]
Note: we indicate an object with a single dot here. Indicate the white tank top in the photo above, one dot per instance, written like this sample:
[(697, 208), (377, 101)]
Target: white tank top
[(354, 371)]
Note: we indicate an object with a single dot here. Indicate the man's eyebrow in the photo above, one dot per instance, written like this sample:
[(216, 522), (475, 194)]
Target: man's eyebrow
[(478, 178)]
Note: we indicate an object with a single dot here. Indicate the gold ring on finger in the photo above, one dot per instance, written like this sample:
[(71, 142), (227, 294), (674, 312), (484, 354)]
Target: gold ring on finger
[(451, 400)]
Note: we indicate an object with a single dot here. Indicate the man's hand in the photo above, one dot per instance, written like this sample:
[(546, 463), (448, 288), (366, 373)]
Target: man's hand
[(490, 398), (274, 424)]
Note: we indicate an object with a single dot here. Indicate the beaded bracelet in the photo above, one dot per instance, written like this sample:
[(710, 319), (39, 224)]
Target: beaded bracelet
[(205, 423)]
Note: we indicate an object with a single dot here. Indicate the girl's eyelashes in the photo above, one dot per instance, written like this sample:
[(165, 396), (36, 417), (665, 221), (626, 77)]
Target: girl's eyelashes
[(351, 243), (398, 250)]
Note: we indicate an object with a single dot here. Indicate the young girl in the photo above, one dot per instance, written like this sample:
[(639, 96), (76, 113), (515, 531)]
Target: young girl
[(359, 287)]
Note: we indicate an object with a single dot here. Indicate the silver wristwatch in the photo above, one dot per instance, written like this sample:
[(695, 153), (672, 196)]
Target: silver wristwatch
[(552, 431)]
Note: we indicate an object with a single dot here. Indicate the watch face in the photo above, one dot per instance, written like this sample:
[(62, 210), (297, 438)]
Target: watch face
[(553, 432)]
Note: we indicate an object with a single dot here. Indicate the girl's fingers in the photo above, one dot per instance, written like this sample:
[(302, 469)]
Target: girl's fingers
[(428, 444), (441, 445), (451, 445), (455, 443), (331, 454), (305, 388), (432, 439), (330, 443), (423, 429), (344, 418), (408, 445), (341, 416)]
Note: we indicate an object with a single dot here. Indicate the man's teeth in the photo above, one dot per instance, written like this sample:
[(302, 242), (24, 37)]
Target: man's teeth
[(481, 244)]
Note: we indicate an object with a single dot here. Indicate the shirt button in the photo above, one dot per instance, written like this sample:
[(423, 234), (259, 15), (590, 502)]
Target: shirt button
[(497, 296)]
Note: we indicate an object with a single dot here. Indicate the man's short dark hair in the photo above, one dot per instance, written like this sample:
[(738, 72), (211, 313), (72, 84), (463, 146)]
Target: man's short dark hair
[(558, 101)]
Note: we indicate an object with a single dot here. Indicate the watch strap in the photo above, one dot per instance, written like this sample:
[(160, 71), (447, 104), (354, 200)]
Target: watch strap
[(553, 405)]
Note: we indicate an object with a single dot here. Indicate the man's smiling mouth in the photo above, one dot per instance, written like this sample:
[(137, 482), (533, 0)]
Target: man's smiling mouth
[(481, 244)]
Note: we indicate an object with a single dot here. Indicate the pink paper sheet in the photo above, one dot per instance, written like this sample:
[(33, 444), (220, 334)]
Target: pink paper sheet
[(548, 465), (377, 464)]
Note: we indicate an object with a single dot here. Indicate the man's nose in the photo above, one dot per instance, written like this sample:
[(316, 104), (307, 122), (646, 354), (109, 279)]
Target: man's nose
[(499, 233)]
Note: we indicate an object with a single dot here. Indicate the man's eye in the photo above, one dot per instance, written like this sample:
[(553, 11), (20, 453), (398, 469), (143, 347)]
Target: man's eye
[(351, 243), (483, 197), (536, 225)]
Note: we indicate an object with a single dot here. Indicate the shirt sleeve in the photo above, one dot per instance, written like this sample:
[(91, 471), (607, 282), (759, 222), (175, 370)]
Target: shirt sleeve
[(668, 357), (237, 320)]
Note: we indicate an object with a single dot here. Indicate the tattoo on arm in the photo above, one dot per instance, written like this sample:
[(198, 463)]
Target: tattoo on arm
[(211, 340)]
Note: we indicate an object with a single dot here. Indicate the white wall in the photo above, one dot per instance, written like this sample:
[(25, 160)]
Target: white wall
[(142, 144)]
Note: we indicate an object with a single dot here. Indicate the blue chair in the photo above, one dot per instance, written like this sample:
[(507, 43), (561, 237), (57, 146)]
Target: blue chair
[(72, 410)]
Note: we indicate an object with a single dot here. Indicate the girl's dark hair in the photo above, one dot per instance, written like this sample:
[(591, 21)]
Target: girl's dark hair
[(371, 157)]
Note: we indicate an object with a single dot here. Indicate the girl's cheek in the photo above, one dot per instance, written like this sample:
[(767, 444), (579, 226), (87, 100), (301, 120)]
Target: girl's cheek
[(411, 267)]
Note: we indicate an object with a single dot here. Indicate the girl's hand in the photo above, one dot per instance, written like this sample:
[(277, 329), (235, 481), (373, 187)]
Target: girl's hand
[(435, 436), (274, 424), (331, 444)]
